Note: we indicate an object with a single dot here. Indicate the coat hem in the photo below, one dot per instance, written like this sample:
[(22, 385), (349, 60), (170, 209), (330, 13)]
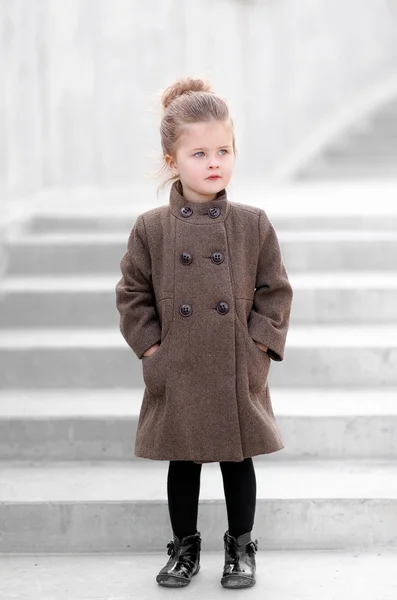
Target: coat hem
[(212, 460)]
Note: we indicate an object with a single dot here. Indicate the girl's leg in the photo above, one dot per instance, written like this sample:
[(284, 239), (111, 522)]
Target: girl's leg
[(239, 483), (183, 488)]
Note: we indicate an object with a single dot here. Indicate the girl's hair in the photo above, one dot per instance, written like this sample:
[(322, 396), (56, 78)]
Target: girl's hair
[(187, 101)]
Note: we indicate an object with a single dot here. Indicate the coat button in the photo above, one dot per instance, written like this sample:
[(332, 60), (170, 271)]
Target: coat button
[(185, 310), (186, 258), (214, 211), (186, 211), (222, 308), (217, 257)]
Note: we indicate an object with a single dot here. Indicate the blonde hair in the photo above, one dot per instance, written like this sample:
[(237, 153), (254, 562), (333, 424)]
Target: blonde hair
[(187, 101)]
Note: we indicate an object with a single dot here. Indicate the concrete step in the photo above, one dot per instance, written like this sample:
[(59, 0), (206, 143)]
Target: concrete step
[(346, 205), (387, 111), (367, 151), (384, 123), (350, 297), (86, 507), (368, 574), (84, 301), (101, 424), (377, 135), (66, 253), (69, 301), (327, 172), (93, 253), (316, 356), (366, 143), (80, 222), (44, 223), (367, 156), (363, 146)]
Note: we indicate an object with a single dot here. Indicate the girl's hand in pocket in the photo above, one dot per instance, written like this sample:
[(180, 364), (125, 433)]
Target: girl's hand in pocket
[(261, 346), (151, 350)]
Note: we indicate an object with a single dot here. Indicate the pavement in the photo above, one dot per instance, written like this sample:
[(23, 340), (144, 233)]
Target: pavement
[(281, 575)]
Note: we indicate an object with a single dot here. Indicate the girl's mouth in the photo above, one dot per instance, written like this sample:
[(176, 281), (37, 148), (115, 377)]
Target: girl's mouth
[(214, 177)]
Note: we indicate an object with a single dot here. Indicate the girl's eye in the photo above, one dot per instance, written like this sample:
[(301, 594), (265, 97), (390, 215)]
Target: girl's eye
[(223, 150)]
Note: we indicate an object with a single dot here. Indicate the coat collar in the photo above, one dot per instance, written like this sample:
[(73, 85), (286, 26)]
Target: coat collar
[(198, 210)]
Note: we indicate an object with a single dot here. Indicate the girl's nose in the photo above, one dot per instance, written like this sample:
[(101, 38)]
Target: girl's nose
[(214, 163)]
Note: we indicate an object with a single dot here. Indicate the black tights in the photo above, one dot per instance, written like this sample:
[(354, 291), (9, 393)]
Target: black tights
[(183, 487)]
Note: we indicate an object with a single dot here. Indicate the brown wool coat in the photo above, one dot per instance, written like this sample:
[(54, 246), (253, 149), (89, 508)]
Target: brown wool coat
[(205, 285)]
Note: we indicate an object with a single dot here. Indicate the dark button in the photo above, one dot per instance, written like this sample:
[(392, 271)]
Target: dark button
[(214, 211), (185, 310), (217, 257), (186, 211), (186, 258), (222, 308)]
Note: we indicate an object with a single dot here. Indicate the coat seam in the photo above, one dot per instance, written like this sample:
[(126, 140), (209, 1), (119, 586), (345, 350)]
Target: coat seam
[(153, 212), (231, 274), (259, 233), (244, 208), (174, 273), (147, 241), (259, 245)]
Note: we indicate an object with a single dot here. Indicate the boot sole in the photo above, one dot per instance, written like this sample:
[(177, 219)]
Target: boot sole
[(170, 581), (237, 582)]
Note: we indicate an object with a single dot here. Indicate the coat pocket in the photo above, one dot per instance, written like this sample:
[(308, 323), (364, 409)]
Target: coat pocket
[(154, 367), (257, 361)]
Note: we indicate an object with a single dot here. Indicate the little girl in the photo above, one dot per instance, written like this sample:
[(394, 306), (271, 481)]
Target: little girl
[(204, 301)]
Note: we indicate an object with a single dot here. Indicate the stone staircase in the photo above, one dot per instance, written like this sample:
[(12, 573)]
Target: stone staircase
[(367, 150), (70, 394)]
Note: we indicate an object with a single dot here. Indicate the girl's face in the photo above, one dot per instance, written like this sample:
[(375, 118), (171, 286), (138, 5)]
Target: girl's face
[(204, 150)]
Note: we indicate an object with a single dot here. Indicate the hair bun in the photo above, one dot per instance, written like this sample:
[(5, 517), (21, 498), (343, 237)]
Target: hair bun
[(182, 86)]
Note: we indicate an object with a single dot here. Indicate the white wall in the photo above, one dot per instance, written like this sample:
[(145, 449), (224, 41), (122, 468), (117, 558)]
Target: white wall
[(78, 78)]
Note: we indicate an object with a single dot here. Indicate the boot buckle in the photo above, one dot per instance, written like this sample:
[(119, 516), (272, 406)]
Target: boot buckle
[(171, 548)]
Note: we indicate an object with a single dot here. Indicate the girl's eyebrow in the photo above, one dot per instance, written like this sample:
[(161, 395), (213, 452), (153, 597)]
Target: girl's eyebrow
[(205, 148)]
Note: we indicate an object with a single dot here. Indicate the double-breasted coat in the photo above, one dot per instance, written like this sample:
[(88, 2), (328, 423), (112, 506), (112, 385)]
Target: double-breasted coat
[(205, 280)]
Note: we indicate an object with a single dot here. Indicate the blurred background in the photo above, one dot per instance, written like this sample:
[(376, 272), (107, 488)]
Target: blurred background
[(312, 87)]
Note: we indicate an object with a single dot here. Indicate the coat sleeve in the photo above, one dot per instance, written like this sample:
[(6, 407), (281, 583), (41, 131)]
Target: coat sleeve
[(268, 320), (135, 298)]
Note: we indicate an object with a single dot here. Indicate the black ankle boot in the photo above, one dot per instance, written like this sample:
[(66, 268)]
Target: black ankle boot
[(184, 561), (240, 565)]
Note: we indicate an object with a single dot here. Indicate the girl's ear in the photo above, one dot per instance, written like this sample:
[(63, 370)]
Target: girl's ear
[(170, 161)]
